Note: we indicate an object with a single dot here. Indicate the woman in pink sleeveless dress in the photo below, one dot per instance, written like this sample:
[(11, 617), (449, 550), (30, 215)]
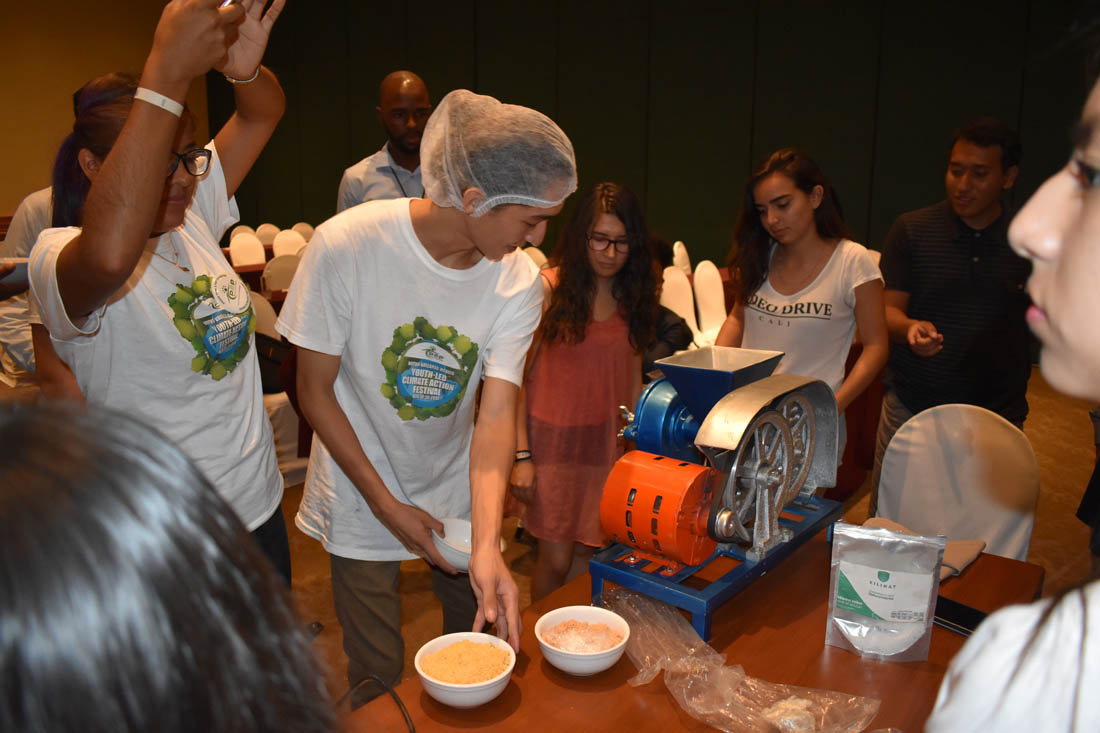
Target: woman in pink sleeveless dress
[(600, 314)]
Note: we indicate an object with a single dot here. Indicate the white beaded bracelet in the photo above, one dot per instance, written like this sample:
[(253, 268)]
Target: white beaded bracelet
[(249, 80), (159, 100)]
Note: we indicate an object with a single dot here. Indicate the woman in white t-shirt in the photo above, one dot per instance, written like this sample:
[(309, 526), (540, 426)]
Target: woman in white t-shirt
[(131, 284), (803, 287)]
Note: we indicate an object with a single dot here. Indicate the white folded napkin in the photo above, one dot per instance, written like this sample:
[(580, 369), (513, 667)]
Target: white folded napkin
[(956, 556)]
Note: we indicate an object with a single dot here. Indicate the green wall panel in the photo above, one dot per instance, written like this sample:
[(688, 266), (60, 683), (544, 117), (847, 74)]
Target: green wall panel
[(602, 89), (700, 122), (816, 76), (377, 41), (943, 62), (679, 102), (1055, 84), (324, 121), (441, 45), (517, 54)]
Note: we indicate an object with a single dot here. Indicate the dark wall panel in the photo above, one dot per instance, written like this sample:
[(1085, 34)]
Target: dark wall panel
[(816, 77), (1056, 82), (679, 103), (377, 42), (700, 113), (943, 62), (325, 122), (602, 89), (517, 54), (441, 45)]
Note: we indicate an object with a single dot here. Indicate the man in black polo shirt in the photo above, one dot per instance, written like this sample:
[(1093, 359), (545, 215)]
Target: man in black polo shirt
[(955, 292)]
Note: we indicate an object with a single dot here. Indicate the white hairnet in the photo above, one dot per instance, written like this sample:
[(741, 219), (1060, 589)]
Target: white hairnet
[(514, 154)]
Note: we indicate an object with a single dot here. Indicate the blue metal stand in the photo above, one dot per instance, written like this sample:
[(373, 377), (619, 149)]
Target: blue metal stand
[(609, 564)]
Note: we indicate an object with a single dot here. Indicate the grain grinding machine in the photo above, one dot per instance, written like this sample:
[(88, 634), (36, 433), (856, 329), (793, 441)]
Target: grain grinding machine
[(722, 484)]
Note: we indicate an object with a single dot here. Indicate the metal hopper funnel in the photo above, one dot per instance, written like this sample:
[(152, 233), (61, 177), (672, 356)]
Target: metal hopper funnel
[(703, 376)]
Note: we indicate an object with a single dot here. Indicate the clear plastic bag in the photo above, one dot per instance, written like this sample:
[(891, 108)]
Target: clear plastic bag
[(719, 695), (882, 592)]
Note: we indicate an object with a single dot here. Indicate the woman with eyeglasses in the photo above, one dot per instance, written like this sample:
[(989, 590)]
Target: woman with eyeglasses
[(600, 316), (803, 286), (132, 286)]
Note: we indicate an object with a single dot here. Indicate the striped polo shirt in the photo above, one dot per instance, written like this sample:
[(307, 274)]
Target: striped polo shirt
[(972, 287)]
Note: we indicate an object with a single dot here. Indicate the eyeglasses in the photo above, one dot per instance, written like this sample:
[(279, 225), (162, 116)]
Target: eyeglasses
[(194, 161), (599, 243)]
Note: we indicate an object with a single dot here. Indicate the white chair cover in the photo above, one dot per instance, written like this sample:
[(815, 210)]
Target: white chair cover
[(305, 229), (536, 256), (680, 257), (266, 232), (278, 272), (710, 299), (287, 242), (964, 472), (265, 315), (676, 296), (240, 229), (246, 249)]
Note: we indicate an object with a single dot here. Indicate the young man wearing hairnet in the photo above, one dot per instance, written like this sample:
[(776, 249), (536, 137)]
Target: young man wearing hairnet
[(399, 309)]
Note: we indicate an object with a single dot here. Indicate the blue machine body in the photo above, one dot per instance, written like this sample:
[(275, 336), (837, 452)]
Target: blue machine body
[(663, 425), (669, 414), (672, 408)]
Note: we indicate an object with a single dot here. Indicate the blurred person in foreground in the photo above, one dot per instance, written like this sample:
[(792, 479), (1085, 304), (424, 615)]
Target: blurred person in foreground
[(1037, 667), (131, 599)]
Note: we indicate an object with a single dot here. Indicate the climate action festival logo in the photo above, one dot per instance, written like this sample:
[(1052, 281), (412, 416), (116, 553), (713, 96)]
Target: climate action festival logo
[(216, 318), (427, 369)]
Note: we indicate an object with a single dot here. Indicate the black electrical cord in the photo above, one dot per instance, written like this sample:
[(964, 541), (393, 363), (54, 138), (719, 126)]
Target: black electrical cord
[(387, 688)]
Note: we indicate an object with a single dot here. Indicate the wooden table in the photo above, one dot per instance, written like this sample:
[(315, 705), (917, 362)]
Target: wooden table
[(775, 630)]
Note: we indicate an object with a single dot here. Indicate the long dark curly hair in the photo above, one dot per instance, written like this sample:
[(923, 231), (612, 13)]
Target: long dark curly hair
[(748, 259), (634, 286)]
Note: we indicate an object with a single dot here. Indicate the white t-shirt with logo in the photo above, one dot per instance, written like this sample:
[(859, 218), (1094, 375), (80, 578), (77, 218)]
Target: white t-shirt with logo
[(813, 327), (174, 348), (414, 337)]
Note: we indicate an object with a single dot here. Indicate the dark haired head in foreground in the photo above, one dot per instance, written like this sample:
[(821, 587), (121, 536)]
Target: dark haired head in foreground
[(131, 597)]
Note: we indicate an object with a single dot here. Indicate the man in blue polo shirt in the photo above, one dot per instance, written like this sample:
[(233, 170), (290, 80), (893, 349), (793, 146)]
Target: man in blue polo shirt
[(394, 171), (955, 292)]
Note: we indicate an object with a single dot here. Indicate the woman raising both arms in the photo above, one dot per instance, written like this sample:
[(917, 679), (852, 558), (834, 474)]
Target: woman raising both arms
[(803, 287), (132, 286)]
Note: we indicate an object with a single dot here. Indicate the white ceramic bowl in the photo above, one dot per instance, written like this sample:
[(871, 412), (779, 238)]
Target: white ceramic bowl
[(582, 664), (471, 695), (455, 547)]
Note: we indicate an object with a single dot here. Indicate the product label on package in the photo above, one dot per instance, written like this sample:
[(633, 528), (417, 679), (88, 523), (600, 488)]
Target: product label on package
[(889, 595)]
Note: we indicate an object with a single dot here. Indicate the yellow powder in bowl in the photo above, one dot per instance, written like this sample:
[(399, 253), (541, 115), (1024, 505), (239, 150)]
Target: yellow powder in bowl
[(465, 662)]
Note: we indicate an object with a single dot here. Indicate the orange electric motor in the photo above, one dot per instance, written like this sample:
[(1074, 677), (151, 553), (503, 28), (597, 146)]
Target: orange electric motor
[(659, 505)]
